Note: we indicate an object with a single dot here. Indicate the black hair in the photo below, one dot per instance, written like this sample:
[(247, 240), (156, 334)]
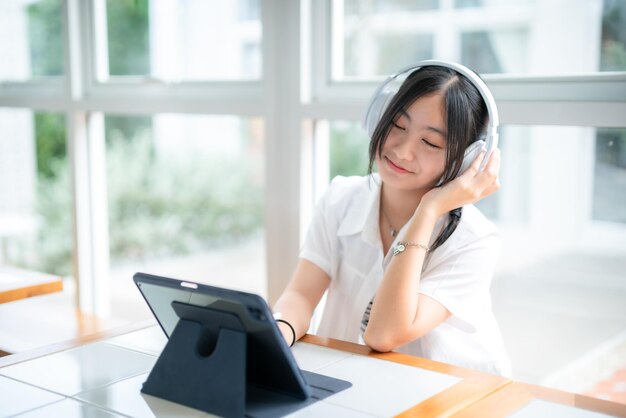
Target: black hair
[(465, 116)]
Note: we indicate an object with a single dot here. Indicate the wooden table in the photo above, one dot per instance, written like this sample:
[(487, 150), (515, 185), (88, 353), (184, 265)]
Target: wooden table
[(473, 386), (538, 401), (108, 369), (18, 284)]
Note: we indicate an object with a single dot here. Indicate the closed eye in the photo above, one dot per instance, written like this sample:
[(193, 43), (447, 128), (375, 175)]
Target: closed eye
[(430, 144), (398, 126)]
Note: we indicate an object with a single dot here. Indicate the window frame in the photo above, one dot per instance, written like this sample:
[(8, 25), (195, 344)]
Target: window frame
[(596, 99), (295, 91)]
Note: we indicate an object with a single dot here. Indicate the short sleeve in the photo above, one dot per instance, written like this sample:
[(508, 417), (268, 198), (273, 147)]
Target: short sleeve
[(317, 246), (320, 242), (460, 279)]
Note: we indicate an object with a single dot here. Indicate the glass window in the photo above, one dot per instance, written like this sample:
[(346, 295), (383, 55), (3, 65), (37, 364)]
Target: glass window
[(376, 38), (356, 7), (559, 279), (184, 39), (31, 39), (558, 276), (348, 149), (609, 186), (349, 156), (387, 53), (585, 184), (35, 192), (526, 149), (479, 52), (185, 200)]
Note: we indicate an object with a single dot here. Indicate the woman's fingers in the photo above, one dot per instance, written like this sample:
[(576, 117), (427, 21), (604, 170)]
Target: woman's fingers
[(485, 182), (471, 186), (489, 176), (473, 169), (493, 165)]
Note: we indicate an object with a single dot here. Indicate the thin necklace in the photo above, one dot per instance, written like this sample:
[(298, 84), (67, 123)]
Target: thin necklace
[(392, 231)]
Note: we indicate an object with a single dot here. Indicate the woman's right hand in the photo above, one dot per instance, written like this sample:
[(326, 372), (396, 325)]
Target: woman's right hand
[(469, 187)]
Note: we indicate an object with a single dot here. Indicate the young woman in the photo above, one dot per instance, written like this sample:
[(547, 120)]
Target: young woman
[(406, 258)]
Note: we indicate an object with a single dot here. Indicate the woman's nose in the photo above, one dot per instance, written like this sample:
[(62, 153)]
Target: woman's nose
[(403, 150)]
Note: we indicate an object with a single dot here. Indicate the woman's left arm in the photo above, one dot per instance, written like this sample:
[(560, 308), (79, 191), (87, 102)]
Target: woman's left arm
[(399, 312)]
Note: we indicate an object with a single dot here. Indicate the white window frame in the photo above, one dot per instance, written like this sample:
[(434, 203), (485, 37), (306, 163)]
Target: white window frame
[(295, 90), (597, 99), (587, 100)]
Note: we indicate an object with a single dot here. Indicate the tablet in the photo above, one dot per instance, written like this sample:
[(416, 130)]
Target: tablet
[(273, 365)]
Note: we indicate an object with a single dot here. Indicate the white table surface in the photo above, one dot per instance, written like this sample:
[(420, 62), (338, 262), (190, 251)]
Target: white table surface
[(104, 379), (101, 376)]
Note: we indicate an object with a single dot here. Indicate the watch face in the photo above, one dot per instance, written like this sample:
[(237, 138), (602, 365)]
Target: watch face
[(398, 249)]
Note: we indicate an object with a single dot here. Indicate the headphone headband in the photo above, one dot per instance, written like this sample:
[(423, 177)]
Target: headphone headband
[(385, 92)]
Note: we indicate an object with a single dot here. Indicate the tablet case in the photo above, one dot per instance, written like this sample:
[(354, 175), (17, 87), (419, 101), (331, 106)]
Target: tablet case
[(207, 365)]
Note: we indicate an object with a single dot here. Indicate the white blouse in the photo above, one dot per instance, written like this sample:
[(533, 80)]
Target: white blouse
[(344, 241)]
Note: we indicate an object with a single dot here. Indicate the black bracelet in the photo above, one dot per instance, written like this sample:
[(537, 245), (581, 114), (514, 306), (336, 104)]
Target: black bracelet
[(293, 331)]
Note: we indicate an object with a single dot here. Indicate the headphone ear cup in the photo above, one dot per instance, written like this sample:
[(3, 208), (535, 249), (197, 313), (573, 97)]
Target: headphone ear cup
[(471, 152), (470, 155), (375, 111)]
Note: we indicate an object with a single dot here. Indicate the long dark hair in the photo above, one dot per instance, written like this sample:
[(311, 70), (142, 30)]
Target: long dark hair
[(466, 119)]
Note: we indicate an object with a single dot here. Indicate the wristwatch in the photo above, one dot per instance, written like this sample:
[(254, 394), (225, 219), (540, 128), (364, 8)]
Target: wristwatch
[(401, 246)]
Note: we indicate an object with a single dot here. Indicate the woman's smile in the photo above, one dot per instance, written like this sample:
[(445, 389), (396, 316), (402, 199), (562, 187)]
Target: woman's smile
[(396, 168)]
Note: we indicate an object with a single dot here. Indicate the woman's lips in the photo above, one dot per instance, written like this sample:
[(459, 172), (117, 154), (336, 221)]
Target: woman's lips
[(395, 167)]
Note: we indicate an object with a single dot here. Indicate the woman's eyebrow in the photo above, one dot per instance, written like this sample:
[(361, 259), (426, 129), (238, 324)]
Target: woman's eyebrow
[(437, 130), (430, 128), (406, 115)]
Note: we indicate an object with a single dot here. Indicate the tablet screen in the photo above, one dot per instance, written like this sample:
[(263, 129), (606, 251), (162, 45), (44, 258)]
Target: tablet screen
[(270, 362)]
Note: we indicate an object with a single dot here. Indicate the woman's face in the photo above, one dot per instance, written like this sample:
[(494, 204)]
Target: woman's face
[(414, 153)]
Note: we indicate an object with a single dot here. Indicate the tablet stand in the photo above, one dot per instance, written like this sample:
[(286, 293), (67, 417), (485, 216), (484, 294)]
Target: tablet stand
[(204, 366), (214, 383)]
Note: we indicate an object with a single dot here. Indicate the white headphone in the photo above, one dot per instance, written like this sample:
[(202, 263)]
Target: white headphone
[(386, 91)]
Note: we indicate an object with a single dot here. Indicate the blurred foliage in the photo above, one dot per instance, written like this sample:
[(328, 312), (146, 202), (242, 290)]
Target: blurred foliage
[(162, 206), (50, 142), (348, 149), (50, 248), (45, 33), (123, 128), (613, 50), (54, 212), (158, 206), (128, 23)]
